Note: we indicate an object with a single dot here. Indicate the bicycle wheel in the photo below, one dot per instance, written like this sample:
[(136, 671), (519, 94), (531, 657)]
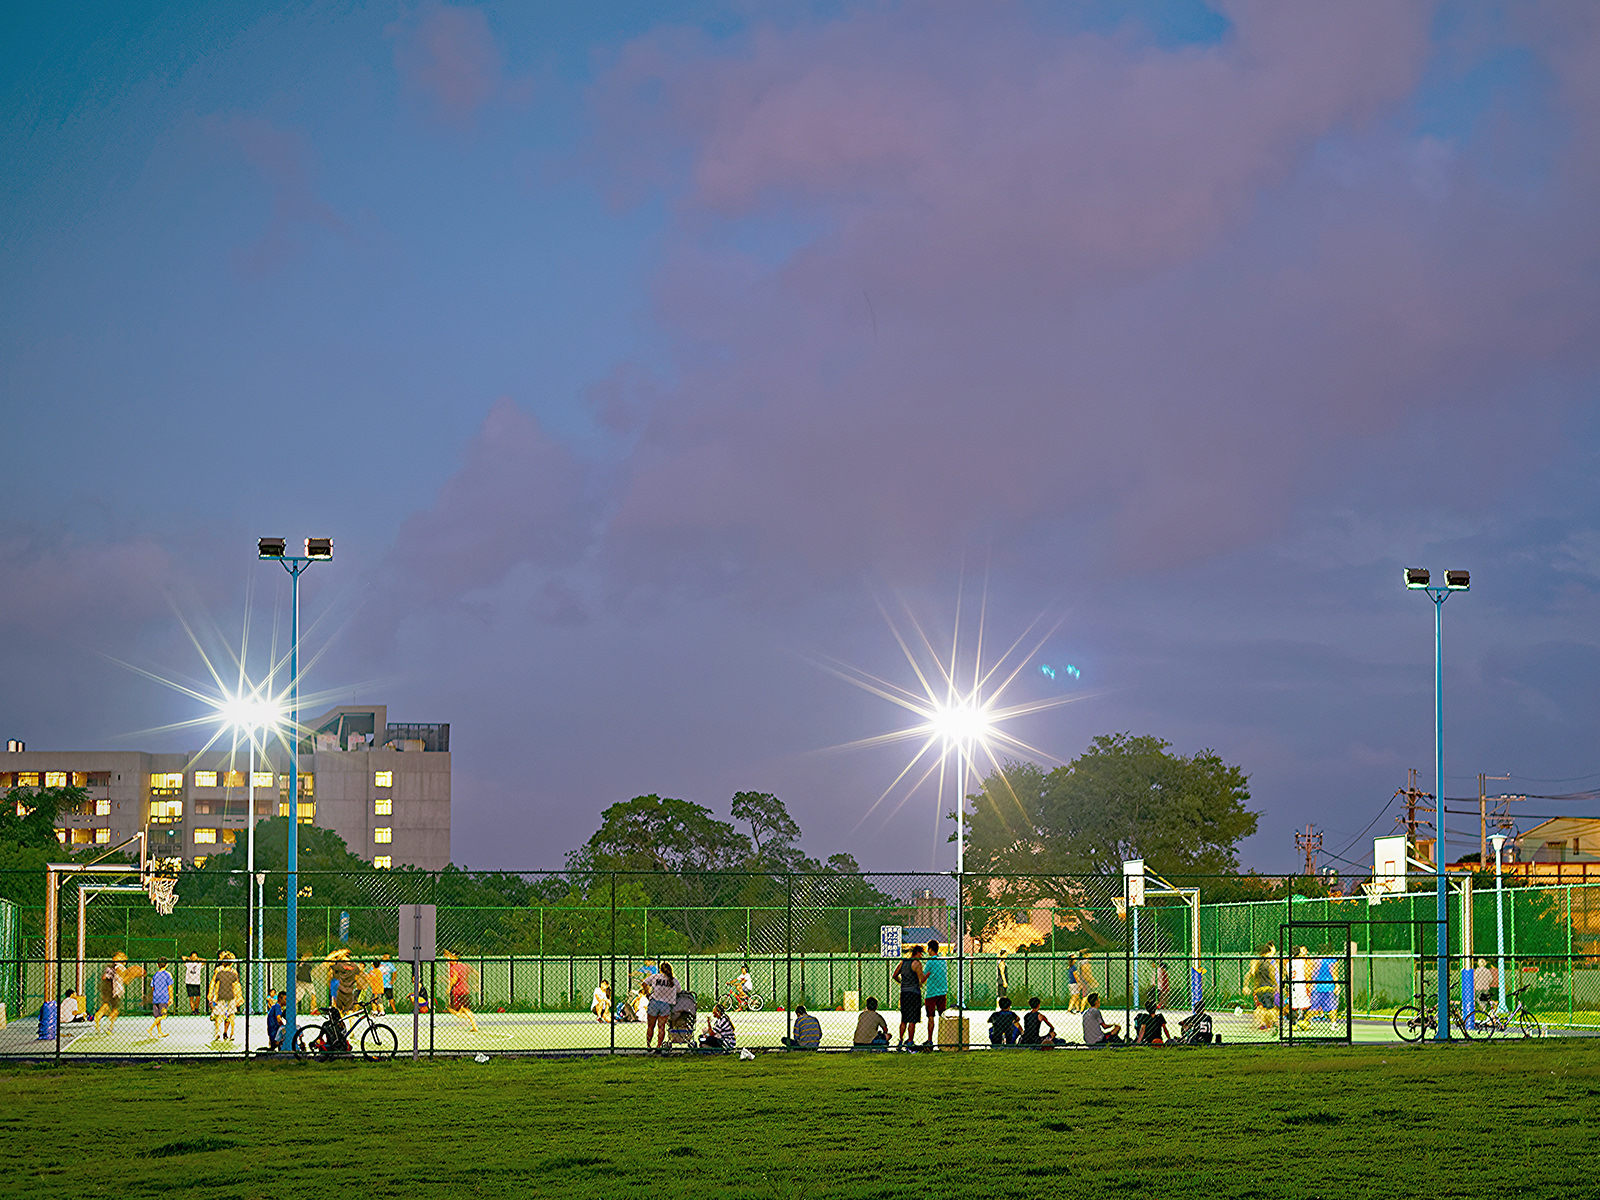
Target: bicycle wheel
[(307, 1042), (1529, 1024), (753, 1003), (1482, 1028), (378, 1043), (1408, 1023)]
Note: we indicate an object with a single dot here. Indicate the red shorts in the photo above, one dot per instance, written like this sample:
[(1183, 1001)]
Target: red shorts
[(934, 1004)]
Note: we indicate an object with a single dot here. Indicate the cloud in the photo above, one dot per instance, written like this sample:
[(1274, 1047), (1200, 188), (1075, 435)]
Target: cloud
[(284, 160), (449, 59), (54, 587)]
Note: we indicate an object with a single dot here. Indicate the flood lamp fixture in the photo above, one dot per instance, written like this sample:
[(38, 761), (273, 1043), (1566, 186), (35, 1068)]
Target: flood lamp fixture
[(319, 548), (1417, 577), (270, 547), (1458, 581)]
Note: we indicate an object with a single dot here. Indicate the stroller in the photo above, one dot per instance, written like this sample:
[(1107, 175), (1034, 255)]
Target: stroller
[(680, 1025)]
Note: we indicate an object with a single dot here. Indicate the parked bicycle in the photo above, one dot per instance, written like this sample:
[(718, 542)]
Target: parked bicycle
[(1519, 1017), (337, 1038), (1412, 1023)]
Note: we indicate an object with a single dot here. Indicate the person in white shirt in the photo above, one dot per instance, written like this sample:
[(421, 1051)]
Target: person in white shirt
[(663, 993), (602, 1002)]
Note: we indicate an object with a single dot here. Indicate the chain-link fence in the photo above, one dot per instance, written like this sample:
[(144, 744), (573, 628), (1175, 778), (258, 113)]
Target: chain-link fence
[(539, 962)]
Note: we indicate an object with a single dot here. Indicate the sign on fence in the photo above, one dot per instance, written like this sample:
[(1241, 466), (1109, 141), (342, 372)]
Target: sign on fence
[(416, 933), (889, 940)]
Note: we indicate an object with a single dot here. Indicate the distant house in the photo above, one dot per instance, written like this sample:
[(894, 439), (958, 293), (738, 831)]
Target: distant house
[(1560, 850)]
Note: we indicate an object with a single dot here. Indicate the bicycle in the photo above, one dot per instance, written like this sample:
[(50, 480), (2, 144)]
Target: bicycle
[(378, 1041), (1411, 1023), (732, 1001), (1525, 1021)]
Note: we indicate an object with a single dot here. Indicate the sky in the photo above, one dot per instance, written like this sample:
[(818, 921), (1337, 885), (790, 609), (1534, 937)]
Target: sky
[(640, 357)]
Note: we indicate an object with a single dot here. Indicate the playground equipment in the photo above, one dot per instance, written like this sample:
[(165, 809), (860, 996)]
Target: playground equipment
[(157, 880)]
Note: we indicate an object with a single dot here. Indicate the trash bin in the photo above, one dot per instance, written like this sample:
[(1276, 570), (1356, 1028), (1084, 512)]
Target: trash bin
[(47, 1021), (953, 1031), (852, 1002)]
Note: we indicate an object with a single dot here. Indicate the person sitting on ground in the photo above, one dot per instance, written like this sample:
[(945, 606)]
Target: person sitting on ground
[(1031, 1022), (1149, 1027), (72, 1007), (1004, 1028), (719, 1033), (275, 1020), (1196, 1027), (872, 1031), (807, 1031), (1097, 1031)]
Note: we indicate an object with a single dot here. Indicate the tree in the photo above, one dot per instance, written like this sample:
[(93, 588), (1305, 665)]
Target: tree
[(28, 839), (1124, 797), (648, 833), (773, 831)]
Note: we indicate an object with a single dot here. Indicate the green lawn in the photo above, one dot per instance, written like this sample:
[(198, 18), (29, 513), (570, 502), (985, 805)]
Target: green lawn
[(1516, 1119)]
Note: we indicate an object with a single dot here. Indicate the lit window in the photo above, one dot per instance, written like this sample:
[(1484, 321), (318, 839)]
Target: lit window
[(307, 813), (262, 778), (200, 859), (102, 837), (383, 834), (233, 779), (307, 784), (383, 779), (283, 808), (382, 808), (61, 835), (383, 862), (205, 779), (205, 835), (55, 779), (102, 808), (172, 780), (80, 779), (82, 837), (166, 810), (27, 779), (230, 836), (22, 809)]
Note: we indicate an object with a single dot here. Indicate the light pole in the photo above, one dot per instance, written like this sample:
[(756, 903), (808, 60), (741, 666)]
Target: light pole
[(1499, 840), (317, 550), (248, 712), (1417, 579)]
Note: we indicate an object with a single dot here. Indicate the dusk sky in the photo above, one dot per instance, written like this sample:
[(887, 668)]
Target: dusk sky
[(633, 353)]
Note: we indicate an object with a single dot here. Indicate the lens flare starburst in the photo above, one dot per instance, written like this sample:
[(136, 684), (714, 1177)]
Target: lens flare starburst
[(962, 725)]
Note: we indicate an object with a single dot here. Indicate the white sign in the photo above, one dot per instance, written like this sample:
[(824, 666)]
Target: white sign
[(416, 933), (889, 940), (1389, 865), (1133, 882)]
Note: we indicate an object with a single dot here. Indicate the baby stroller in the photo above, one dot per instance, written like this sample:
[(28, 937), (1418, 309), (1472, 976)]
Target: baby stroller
[(680, 1025)]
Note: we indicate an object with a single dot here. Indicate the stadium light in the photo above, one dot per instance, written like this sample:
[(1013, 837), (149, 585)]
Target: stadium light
[(1418, 579), (317, 550), (249, 712)]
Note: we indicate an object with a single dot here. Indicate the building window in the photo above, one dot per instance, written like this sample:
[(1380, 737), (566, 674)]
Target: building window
[(307, 813), (23, 810), (208, 836), (383, 779), (102, 837), (102, 808), (27, 779), (382, 808), (307, 785), (166, 811), (55, 779), (233, 779), (200, 859), (230, 836), (283, 808), (205, 779), (61, 836), (82, 837), (383, 835), (261, 779), (172, 781), (383, 862), (80, 779)]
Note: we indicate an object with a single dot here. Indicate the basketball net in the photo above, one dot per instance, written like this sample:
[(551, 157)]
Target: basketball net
[(163, 891)]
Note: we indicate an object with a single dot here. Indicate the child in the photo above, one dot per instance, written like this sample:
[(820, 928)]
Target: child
[(72, 1007), (1004, 1028), (160, 996), (194, 980), (275, 1016), (1031, 1022)]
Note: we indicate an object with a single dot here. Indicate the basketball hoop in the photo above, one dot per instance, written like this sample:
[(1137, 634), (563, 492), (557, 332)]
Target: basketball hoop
[(163, 891)]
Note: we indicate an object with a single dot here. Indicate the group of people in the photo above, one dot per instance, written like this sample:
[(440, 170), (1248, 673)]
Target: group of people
[(924, 991), (223, 996), (1313, 986)]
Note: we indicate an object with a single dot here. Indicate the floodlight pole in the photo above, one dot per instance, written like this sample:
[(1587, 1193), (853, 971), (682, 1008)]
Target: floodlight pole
[(1499, 841), (296, 566)]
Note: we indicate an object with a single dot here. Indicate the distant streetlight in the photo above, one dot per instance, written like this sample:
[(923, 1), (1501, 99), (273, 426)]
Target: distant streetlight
[(317, 550), (1499, 840), (1417, 579), (249, 712)]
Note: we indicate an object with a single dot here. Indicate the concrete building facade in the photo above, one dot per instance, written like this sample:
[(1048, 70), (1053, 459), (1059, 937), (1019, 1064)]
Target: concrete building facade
[(384, 789)]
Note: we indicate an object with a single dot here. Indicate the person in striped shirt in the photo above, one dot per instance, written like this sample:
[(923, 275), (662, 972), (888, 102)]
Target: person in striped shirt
[(719, 1033)]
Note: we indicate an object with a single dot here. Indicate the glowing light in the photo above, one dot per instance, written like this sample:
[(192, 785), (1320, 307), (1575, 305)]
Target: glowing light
[(960, 725), (249, 712)]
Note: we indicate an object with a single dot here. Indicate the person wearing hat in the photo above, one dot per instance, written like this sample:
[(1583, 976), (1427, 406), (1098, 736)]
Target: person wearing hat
[(224, 996)]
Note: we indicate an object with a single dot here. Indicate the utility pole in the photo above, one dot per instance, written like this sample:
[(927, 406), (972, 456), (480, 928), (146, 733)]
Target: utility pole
[(1310, 843), (1414, 796), (1483, 815)]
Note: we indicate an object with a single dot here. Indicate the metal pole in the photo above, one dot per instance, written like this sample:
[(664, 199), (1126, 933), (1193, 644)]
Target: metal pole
[(251, 966), (1499, 841), (1442, 906), (292, 920)]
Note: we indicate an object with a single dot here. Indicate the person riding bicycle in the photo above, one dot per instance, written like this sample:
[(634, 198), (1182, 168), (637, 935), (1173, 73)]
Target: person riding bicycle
[(742, 986)]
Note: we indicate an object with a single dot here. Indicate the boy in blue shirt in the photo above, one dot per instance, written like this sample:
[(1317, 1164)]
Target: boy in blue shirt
[(936, 989), (275, 1020), (160, 996)]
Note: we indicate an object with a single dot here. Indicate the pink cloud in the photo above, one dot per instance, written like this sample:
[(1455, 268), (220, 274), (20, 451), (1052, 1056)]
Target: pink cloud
[(284, 159), (448, 57)]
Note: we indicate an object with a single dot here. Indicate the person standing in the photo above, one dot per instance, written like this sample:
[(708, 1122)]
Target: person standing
[(460, 987), (911, 977), (1161, 985), (386, 974), (1086, 982), (1003, 989), (663, 995), (1073, 988), (160, 996), (113, 980), (375, 985), (224, 996), (194, 981), (1300, 989), (305, 989), (937, 989)]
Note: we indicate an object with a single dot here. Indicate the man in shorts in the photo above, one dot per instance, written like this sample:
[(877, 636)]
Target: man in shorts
[(194, 981), (386, 971), (936, 990), (224, 996), (1097, 1031), (160, 996)]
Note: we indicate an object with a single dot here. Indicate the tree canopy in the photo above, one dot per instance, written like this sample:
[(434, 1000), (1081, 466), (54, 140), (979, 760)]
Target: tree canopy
[(1124, 797)]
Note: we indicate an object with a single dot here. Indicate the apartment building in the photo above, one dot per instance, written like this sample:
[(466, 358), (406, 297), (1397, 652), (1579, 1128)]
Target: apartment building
[(383, 788)]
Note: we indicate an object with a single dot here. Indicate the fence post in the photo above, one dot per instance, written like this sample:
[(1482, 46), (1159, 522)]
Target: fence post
[(788, 956), (611, 1022), (1571, 974)]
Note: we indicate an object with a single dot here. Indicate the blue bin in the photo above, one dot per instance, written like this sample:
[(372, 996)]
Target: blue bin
[(47, 1021)]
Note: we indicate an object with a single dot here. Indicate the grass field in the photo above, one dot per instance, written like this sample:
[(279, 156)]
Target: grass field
[(1518, 1119)]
